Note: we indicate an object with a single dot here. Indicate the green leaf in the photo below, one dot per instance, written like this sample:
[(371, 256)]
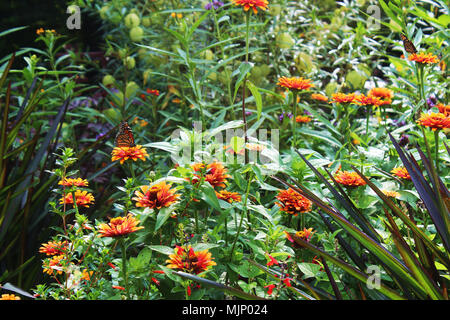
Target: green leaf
[(257, 96), (162, 249), (163, 215)]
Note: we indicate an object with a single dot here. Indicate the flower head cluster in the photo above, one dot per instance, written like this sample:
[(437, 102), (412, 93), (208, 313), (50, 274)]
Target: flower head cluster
[(295, 83), (157, 196), (214, 173), (343, 98), (125, 153), (82, 198), (285, 278), (252, 4), (292, 202), (53, 264), (423, 58), (119, 226), (53, 248), (401, 172), (349, 179), (187, 260), (434, 121)]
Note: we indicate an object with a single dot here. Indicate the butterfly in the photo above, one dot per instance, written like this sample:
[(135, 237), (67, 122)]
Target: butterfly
[(124, 137), (408, 45)]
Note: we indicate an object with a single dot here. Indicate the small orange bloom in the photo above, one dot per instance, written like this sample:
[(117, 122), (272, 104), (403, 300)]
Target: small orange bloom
[(83, 198), (215, 174), (384, 94), (119, 226), (187, 260), (253, 4), (445, 109), (125, 153), (305, 234), (343, 98), (368, 100), (350, 179), (9, 297), (54, 264), (295, 83), (78, 182), (293, 202), (228, 196), (156, 197), (392, 194), (401, 172), (53, 248), (319, 97), (434, 121), (424, 58), (302, 119)]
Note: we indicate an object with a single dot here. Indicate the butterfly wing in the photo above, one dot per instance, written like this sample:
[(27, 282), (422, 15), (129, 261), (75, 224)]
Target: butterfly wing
[(124, 137), (408, 45)]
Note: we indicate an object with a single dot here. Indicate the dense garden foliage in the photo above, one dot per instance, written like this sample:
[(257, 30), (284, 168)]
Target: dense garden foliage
[(243, 149)]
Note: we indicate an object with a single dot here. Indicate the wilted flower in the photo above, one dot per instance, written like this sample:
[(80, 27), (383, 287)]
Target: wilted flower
[(434, 121), (156, 196), (187, 260), (404, 140), (119, 226), (293, 202), (83, 198), (125, 153), (253, 4), (349, 179)]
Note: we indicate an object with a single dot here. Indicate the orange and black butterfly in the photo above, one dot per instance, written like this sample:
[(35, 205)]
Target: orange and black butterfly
[(408, 45), (124, 137)]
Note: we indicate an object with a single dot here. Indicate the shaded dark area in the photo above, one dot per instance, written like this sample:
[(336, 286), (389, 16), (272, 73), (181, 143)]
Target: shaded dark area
[(46, 14)]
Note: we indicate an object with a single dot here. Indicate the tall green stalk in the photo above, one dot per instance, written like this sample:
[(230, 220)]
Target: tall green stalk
[(294, 124), (124, 265)]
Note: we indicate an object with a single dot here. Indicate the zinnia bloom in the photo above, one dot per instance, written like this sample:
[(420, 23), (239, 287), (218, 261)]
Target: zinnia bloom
[(83, 198), (445, 109), (303, 119), (384, 94), (119, 226), (228, 196), (424, 58), (401, 172), (319, 97), (125, 153), (9, 297), (53, 248), (156, 197), (343, 98), (434, 121), (368, 100), (253, 4), (293, 202), (78, 182), (349, 179), (295, 83), (215, 174), (187, 260)]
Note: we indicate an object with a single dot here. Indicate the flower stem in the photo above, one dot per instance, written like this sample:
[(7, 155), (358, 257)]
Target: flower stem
[(124, 265), (294, 125), (436, 149), (242, 215)]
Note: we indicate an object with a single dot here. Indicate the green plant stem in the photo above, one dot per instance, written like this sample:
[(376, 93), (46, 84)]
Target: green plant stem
[(75, 203), (436, 149), (247, 31), (367, 122), (242, 215), (294, 124), (124, 265)]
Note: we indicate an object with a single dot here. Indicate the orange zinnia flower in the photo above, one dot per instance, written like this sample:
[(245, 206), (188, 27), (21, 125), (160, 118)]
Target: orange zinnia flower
[(125, 153), (119, 226), (83, 198), (368, 100), (156, 197), (401, 172), (424, 58), (445, 109), (9, 297), (293, 202), (343, 98), (434, 121), (295, 83), (228, 196), (383, 93), (54, 264), (253, 4), (302, 119), (187, 260), (78, 182), (215, 174), (319, 97), (53, 248), (350, 179)]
